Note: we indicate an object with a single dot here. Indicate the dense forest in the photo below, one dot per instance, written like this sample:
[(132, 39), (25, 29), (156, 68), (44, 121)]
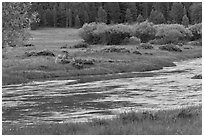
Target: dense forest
[(75, 14)]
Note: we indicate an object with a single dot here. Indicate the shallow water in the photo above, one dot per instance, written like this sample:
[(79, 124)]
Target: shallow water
[(68, 101)]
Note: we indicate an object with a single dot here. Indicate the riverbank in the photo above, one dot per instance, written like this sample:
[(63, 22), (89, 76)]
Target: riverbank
[(180, 121), (18, 68)]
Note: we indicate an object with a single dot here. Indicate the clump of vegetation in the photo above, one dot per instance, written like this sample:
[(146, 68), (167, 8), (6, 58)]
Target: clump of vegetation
[(64, 46), (146, 46), (81, 45), (79, 62), (170, 47), (197, 77), (145, 31), (115, 49), (28, 45), (137, 52), (196, 31), (195, 43), (40, 53)]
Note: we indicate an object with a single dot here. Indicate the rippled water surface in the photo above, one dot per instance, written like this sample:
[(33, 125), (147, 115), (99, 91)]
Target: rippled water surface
[(68, 101)]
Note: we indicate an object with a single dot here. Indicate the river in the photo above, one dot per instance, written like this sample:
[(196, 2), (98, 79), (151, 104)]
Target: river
[(61, 101)]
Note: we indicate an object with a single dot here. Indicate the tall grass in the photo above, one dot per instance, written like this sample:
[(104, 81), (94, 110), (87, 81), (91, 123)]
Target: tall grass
[(183, 121)]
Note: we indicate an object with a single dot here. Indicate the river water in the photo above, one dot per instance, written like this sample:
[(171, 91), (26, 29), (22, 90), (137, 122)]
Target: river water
[(61, 101)]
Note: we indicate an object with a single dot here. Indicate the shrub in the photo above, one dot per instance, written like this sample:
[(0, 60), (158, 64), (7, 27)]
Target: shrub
[(196, 31), (114, 35), (197, 76), (172, 33), (137, 52), (86, 32), (146, 46), (145, 31), (81, 45), (170, 47), (103, 34), (79, 63)]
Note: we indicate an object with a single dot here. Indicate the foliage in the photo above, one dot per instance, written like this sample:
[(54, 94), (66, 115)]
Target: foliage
[(115, 49), (146, 46), (172, 33), (128, 16), (156, 17), (196, 12), (196, 31), (77, 22), (102, 15), (145, 31), (40, 53), (177, 12), (115, 34), (103, 34), (15, 21), (140, 18), (185, 21)]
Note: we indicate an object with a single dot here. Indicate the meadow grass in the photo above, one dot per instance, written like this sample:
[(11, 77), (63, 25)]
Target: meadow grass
[(18, 68), (180, 121)]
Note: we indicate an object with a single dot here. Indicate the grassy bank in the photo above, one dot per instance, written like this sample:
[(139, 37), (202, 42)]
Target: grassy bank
[(18, 68), (183, 121)]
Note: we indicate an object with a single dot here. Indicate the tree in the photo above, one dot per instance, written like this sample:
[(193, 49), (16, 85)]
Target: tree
[(15, 21), (102, 15), (140, 18), (185, 21), (196, 12), (55, 15), (128, 16), (77, 22), (70, 17), (156, 17), (113, 11), (86, 17), (177, 12)]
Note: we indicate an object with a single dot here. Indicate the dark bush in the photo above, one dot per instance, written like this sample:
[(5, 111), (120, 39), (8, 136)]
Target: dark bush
[(146, 46), (28, 45), (170, 47), (39, 53), (137, 52), (197, 77)]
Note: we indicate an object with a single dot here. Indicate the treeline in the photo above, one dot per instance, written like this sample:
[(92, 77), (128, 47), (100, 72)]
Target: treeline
[(75, 14)]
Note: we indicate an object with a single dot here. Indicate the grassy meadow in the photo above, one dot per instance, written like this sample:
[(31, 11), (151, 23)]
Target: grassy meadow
[(19, 68)]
